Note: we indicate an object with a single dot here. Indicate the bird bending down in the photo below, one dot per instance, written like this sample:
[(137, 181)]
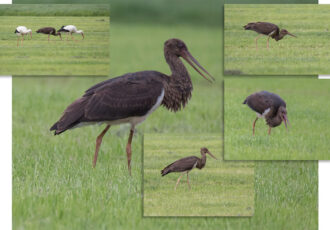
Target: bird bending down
[(49, 31), (70, 29), (185, 165), (269, 29), (269, 106), (21, 31), (132, 97)]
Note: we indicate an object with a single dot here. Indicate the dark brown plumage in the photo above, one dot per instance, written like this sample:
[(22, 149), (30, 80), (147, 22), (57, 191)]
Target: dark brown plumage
[(49, 31), (269, 29), (185, 165), (131, 97), (269, 106)]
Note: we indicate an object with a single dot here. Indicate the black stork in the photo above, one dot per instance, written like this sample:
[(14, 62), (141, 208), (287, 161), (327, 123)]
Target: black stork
[(70, 29), (269, 29), (269, 106), (185, 165), (49, 31), (130, 98)]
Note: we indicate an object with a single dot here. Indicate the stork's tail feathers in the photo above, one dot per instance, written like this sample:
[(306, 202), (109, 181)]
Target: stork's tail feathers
[(165, 171), (248, 26), (54, 127), (71, 116), (16, 32)]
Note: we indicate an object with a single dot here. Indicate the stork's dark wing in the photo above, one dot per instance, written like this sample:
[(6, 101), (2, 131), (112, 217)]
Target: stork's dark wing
[(258, 102), (181, 165), (127, 96), (262, 27), (263, 100), (46, 30), (117, 98)]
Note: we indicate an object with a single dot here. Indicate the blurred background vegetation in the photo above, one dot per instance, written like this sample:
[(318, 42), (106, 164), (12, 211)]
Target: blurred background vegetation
[(169, 12), (60, 10)]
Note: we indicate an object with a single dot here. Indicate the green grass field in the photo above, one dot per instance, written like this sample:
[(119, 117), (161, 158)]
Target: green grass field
[(219, 189), (37, 56), (307, 54), (54, 186), (308, 112)]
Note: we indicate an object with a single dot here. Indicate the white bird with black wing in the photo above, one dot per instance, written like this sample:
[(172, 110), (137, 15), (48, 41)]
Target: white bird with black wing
[(20, 32), (70, 29)]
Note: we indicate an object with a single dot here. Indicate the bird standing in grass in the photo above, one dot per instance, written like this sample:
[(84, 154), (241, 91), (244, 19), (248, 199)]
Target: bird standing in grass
[(185, 165), (268, 106), (70, 29), (269, 29), (21, 31), (49, 31), (132, 97)]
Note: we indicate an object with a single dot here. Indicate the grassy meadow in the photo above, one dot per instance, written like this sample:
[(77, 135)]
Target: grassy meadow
[(54, 185), (219, 189), (307, 102), (37, 56), (308, 54)]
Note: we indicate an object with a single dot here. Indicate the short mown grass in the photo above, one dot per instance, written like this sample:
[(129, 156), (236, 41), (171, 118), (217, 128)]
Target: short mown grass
[(308, 111), (219, 189), (37, 56), (307, 54)]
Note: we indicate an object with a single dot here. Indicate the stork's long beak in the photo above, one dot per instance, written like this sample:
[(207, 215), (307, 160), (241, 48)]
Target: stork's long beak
[(286, 121), (211, 155), (292, 35), (191, 60)]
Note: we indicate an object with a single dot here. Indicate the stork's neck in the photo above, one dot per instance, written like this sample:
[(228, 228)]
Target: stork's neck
[(202, 162), (274, 120), (279, 36), (178, 70), (179, 86)]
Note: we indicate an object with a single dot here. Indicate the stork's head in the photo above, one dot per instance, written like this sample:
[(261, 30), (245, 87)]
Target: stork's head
[(59, 34), (176, 47), (81, 32), (284, 32), (205, 151), (282, 113)]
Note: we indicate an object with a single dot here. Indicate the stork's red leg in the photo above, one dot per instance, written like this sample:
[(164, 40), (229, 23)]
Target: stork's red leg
[(17, 40), (98, 144), (188, 180), (129, 150), (257, 40), (178, 181), (270, 128), (268, 42), (48, 37), (254, 125)]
